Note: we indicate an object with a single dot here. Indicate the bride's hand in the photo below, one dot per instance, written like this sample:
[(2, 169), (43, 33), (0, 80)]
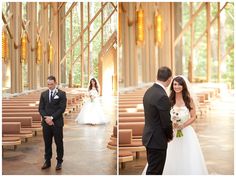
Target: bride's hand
[(180, 127), (175, 125)]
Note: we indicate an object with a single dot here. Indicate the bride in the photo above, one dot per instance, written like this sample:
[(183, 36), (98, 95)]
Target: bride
[(184, 154), (91, 112)]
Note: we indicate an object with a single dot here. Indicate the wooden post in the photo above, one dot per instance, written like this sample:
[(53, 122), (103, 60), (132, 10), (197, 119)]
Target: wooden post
[(178, 63), (172, 11), (152, 44), (32, 16), (14, 54), (89, 70), (71, 54), (132, 45), (219, 46), (126, 49), (208, 18), (102, 27), (82, 43), (61, 46), (147, 42), (55, 40), (190, 69), (45, 44)]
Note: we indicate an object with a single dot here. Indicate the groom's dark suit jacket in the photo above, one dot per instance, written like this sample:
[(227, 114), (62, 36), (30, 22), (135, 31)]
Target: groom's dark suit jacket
[(55, 108), (158, 125)]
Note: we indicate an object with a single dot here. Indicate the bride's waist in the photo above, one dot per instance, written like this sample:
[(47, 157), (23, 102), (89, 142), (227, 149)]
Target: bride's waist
[(189, 127)]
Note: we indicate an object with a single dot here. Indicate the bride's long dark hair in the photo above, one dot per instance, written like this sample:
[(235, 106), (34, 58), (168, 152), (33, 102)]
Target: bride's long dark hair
[(91, 85), (185, 93)]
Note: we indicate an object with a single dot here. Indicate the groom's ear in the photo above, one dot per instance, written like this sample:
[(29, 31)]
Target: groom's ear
[(169, 80)]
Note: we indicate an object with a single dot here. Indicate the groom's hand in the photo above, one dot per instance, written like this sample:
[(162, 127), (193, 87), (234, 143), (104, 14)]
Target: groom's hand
[(48, 120)]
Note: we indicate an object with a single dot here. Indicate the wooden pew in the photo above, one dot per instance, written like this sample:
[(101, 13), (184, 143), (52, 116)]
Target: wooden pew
[(136, 127), (36, 117), (131, 114), (127, 143), (26, 123), (11, 141), (125, 137), (131, 119), (19, 110), (13, 129)]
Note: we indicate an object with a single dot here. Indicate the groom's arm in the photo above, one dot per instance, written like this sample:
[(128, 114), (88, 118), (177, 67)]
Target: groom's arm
[(164, 111), (62, 107), (42, 106)]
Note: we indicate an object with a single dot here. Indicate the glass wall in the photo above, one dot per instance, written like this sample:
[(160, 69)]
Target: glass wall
[(89, 25)]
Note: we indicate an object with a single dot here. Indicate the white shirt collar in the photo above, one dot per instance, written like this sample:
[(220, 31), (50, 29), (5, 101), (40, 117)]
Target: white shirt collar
[(53, 91)]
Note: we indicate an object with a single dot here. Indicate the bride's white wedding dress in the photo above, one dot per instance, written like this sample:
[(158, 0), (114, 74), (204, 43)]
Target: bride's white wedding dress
[(184, 154), (91, 112)]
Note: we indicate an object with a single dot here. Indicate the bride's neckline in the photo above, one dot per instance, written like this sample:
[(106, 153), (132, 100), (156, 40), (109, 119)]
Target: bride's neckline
[(182, 106)]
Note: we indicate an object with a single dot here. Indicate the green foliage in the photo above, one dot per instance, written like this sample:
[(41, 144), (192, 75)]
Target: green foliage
[(72, 24), (200, 52), (95, 46)]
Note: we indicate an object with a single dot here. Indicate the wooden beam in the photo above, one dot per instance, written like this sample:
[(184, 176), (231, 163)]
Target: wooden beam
[(68, 11), (60, 5), (122, 7), (208, 18), (219, 46), (111, 41), (97, 32), (199, 39), (172, 37), (45, 5), (81, 42), (228, 52), (102, 28), (218, 13), (8, 29), (189, 23), (190, 64), (71, 54), (202, 35), (82, 31), (24, 26), (115, 6), (88, 9)]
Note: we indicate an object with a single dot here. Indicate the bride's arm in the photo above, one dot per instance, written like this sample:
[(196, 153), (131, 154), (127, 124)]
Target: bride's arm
[(192, 116)]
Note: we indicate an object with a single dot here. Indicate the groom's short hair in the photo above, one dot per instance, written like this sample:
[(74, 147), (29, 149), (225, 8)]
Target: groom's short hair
[(164, 73), (52, 78)]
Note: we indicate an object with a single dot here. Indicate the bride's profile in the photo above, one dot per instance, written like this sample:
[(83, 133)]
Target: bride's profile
[(91, 112), (184, 154)]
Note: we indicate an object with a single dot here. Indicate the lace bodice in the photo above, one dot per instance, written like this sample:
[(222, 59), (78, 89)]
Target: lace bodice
[(180, 113), (93, 92)]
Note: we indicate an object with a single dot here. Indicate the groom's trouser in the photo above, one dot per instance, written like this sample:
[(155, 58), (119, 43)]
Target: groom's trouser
[(48, 133), (156, 160)]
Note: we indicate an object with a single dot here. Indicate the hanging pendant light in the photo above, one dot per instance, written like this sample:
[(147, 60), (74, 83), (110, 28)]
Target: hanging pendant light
[(140, 26), (158, 28), (23, 47), (4, 46), (50, 52), (39, 51)]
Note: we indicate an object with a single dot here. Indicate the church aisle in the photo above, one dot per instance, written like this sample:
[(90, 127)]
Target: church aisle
[(216, 135), (85, 150)]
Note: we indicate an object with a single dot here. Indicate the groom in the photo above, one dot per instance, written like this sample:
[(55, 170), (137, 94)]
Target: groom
[(52, 105), (158, 126)]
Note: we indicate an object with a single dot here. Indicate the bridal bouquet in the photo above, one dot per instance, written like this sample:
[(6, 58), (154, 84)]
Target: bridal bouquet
[(177, 120), (92, 96)]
